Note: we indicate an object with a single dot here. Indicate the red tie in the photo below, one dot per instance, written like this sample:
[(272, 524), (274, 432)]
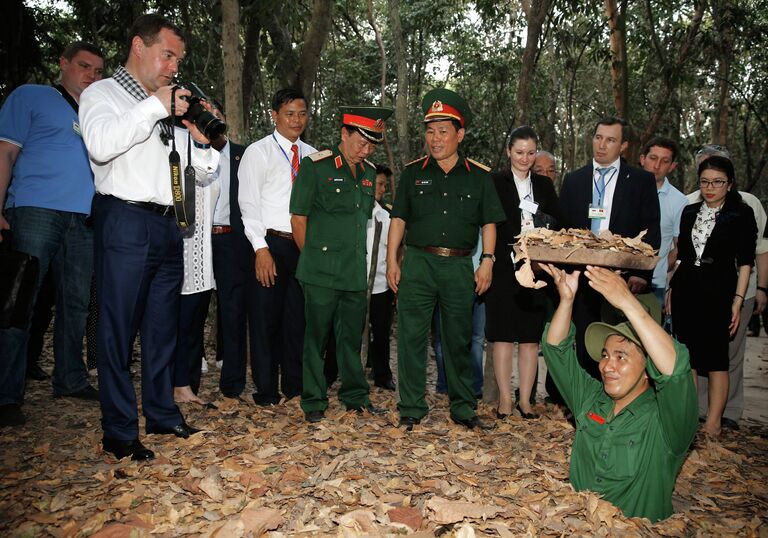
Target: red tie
[(294, 162)]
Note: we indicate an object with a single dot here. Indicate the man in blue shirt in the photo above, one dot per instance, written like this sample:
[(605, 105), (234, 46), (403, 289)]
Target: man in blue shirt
[(659, 157), (46, 189)]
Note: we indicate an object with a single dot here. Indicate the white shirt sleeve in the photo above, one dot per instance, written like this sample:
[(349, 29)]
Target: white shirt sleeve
[(251, 175)]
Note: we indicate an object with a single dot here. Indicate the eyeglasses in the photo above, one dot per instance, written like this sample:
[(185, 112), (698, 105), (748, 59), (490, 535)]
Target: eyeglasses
[(716, 183)]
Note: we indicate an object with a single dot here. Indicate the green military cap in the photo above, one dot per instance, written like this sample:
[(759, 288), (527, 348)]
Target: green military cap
[(441, 104), (368, 120), (598, 332)]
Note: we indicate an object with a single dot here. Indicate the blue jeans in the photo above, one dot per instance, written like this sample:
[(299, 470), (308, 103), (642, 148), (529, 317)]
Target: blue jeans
[(63, 243), (476, 351)]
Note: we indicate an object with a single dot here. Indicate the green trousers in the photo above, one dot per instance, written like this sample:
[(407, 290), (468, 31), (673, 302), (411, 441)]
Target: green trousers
[(426, 280), (344, 312)]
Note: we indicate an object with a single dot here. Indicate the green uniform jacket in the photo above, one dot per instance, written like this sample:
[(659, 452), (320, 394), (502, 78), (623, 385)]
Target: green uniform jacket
[(632, 459), (445, 209), (337, 206)]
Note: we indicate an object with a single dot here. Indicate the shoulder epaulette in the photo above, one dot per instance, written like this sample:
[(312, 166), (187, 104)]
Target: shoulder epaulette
[(369, 163), (481, 166), (417, 160), (387, 207), (320, 155)]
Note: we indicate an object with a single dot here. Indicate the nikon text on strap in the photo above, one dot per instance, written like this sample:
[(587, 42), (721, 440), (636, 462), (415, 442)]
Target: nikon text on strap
[(184, 206)]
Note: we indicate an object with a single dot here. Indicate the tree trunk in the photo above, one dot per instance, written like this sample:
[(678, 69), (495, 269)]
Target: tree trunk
[(383, 54), (233, 72), (288, 71), (252, 72), (723, 15), (401, 101), (619, 82), (314, 40), (671, 71), (536, 13)]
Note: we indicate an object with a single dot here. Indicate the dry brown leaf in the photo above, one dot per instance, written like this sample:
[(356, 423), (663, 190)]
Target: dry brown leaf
[(259, 520), (211, 485), (446, 511), (407, 515)]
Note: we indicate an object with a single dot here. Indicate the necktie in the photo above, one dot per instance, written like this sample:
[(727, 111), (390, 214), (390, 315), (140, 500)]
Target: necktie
[(597, 196), (294, 162)]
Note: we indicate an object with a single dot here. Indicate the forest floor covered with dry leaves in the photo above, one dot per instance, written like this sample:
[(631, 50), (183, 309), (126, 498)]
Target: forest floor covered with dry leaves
[(255, 470)]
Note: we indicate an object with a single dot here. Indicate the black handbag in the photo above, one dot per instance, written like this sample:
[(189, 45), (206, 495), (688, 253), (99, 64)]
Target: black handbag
[(18, 277)]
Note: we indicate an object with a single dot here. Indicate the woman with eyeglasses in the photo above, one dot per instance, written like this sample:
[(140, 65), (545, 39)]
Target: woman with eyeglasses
[(716, 250)]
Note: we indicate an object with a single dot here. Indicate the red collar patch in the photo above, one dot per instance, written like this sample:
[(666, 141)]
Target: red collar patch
[(597, 418), (338, 162)]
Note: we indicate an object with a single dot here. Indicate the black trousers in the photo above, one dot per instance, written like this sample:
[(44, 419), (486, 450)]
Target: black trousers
[(279, 330), (233, 267), (380, 310), (190, 349)]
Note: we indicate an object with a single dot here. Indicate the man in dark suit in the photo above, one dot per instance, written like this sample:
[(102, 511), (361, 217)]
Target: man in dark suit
[(232, 267), (608, 194)]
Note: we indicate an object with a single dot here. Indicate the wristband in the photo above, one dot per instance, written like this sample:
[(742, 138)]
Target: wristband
[(740, 296), (764, 290)]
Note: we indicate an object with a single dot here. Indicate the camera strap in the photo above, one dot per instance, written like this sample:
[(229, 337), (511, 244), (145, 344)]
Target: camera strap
[(183, 206)]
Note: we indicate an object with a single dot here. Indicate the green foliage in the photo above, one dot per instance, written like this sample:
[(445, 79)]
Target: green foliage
[(474, 47)]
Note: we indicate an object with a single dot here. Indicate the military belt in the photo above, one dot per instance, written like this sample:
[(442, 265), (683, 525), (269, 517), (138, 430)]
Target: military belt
[(447, 252)]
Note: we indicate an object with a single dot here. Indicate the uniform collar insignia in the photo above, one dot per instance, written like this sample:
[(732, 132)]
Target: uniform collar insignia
[(338, 161)]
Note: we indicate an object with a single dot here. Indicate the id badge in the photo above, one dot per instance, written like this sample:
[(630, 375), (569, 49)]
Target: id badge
[(597, 212), (530, 207)]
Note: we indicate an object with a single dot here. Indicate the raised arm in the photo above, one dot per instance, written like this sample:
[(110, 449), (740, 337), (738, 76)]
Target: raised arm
[(567, 285)]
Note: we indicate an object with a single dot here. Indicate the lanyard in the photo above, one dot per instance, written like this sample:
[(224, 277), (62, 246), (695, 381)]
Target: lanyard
[(290, 163), (601, 192)]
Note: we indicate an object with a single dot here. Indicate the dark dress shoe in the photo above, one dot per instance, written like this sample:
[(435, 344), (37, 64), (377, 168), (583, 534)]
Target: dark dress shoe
[(472, 423), (502, 416), (88, 393), (122, 449), (409, 422), (370, 408), (36, 373), (526, 416), (182, 430), (11, 415), (314, 416), (729, 423), (386, 385)]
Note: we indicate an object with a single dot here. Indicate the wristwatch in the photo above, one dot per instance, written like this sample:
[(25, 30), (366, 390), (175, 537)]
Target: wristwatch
[(489, 256)]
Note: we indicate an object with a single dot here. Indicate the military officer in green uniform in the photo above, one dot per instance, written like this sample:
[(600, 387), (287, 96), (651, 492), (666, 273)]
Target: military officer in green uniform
[(442, 201), (331, 202)]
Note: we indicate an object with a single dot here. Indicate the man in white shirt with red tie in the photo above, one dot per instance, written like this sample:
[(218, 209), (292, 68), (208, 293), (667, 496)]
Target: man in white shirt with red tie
[(267, 172)]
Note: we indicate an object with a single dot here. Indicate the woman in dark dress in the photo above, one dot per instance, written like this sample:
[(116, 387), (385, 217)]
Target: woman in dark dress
[(513, 313), (716, 250)]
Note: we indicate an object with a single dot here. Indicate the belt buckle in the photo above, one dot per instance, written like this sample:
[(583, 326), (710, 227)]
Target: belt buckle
[(443, 251)]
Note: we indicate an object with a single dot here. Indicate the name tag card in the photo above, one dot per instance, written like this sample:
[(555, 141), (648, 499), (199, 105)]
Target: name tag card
[(530, 207), (597, 212)]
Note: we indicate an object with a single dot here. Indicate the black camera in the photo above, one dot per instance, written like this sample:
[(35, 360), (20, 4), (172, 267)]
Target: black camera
[(211, 126)]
